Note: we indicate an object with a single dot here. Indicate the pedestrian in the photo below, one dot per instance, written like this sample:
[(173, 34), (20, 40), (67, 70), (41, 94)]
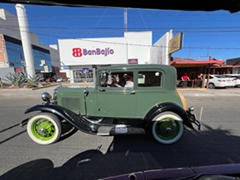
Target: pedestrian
[(199, 80), (185, 79)]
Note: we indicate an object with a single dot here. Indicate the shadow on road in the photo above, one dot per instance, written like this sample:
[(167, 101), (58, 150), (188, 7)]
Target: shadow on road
[(137, 153)]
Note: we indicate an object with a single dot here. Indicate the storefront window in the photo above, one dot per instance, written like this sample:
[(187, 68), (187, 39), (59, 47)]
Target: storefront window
[(83, 75)]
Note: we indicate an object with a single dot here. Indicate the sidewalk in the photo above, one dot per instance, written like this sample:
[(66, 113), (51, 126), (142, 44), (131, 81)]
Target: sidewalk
[(26, 92), (189, 92), (229, 92)]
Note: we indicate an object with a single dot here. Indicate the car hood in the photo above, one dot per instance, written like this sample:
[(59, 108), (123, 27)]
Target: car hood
[(74, 89), (210, 172)]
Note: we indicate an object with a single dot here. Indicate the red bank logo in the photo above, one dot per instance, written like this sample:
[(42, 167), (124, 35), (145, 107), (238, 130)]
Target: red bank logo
[(78, 52)]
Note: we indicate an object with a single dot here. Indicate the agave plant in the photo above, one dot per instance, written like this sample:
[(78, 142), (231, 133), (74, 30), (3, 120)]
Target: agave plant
[(17, 79), (32, 81)]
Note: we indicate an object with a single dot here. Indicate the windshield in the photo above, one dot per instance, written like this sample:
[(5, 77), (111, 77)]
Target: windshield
[(69, 44)]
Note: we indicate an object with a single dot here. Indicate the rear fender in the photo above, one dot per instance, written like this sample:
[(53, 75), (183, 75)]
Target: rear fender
[(159, 108), (60, 111)]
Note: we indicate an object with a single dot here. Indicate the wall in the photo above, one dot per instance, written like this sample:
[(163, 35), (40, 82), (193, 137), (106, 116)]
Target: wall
[(55, 56), (4, 72), (92, 51), (139, 46), (159, 51), (103, 51)]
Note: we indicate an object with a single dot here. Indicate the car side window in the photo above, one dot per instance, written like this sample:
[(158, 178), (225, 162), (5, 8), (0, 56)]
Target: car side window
[(149, 78), (117, 79)]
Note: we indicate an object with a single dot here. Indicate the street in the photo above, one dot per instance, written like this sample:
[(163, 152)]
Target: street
[(83, 156)]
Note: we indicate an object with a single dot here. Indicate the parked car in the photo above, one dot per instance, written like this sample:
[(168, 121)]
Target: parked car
[(153, 105), (236, 79), (51, 79), (60, 79), (218, 81)]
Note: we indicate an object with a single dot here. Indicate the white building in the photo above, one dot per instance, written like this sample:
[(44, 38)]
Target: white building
[(81, 56), (11, 50)]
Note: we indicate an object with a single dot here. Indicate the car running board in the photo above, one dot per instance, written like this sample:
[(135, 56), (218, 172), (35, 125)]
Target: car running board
[(118, 130), (107, 129)]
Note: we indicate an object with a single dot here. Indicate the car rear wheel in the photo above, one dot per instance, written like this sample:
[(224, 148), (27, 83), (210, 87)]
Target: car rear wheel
[(167, 127), (44, 128)]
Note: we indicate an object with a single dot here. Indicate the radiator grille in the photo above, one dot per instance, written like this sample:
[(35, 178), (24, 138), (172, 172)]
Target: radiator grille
[(71, 103)]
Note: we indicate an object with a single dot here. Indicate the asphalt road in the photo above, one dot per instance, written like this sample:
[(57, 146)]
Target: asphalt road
[(83, 156)]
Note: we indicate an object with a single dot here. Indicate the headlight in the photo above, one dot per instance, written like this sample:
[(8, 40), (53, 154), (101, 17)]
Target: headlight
[(46, 97), (191, 109), (55, 94)]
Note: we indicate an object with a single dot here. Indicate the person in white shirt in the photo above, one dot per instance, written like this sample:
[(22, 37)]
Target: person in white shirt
[(129, 82)]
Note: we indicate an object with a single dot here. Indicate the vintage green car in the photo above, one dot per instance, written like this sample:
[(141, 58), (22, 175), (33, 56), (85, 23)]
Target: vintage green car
[(130, 99)]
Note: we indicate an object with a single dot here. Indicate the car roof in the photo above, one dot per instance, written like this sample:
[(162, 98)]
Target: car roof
[(137, 66)]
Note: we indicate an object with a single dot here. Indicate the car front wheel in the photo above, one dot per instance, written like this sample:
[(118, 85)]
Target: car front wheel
[(44, 128), (211, 86), (167, 127)]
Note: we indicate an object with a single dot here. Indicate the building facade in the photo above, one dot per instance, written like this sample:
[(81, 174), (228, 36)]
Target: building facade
[(81, 56), (46, 59)]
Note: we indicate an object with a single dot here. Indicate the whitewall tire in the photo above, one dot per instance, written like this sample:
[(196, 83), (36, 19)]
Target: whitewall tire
[(167, 127), (44, 128)]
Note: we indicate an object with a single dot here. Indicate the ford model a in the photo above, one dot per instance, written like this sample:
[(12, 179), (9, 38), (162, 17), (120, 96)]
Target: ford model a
[(131, 99)]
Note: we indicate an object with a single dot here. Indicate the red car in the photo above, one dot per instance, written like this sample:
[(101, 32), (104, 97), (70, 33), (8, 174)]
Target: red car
[(52, 79)]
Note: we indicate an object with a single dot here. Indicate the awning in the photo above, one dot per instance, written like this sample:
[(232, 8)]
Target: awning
[(195, 63)]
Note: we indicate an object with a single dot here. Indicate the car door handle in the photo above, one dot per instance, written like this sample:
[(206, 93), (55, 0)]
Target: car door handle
[(133, 92), (102, 90)]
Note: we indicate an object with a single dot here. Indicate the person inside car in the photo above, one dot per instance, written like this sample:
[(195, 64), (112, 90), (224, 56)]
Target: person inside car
[(129, 82)]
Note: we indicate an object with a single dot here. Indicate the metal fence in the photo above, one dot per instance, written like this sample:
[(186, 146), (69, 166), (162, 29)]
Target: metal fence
[(190, 84)]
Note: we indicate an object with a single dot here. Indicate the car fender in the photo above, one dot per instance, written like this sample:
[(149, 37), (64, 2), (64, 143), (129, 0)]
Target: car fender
[(159, 108), (60, 111)]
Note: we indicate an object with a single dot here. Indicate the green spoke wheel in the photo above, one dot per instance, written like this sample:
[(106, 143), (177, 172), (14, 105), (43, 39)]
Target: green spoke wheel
[(167, 127), (44, 128)]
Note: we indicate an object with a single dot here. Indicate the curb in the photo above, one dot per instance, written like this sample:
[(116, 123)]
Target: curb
[(44, 87), (28, 89)]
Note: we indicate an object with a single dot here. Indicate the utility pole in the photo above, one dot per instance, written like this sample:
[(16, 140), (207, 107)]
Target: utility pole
[(125, 20)]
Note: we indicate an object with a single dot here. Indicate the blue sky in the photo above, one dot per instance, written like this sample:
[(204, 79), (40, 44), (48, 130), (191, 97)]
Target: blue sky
[(215, 34)]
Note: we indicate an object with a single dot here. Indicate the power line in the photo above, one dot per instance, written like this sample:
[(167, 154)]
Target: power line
[(116, 28)]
